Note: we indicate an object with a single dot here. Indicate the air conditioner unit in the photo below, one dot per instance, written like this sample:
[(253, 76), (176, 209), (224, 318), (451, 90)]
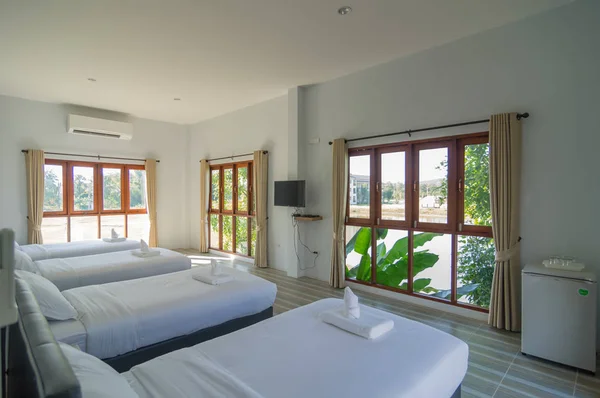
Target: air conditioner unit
[(106, 128)]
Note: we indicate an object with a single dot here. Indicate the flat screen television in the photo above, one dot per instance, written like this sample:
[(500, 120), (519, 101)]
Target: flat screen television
[(289, 193)]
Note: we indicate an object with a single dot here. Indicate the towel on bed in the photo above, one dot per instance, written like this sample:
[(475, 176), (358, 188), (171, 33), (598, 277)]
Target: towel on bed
[(351, 307), (114, 237), (213, 279), (145, 251), (369, 326)]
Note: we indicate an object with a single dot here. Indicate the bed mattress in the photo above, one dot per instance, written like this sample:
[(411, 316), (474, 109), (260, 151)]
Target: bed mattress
[(69, 273), (297, 355), (75, 249), (123, 316), (70, 332)]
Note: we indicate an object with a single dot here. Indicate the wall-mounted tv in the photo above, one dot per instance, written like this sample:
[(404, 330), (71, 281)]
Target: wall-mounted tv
[(289, 193)]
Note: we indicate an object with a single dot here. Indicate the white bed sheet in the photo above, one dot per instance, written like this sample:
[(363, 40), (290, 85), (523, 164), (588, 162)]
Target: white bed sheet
[(69, 273), (297, 355), (124, 316), (76, 249), (70, 332)]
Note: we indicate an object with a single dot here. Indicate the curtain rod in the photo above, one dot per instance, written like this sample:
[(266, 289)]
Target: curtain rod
[(91, 156), (409, 132), (233, 156)]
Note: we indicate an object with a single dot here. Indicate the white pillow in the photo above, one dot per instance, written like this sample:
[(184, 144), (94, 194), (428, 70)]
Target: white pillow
[(17, 247), (53, 304), (97, 379), (24, 262)]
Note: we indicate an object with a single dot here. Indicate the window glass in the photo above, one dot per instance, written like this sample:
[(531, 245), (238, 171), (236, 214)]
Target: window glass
[(84, 228), (227, 233), (432, 260), (138, 226), (241, 235), (475, 270), (477, 185), (392, 258), (111, 189), (137, 189), (360, 186), (433, 185), (215, 190), (53, 187), (107, 223), (242, 189), (83, 189), (54, 229), (393, 188), (228, 189), (358, 253), (214, 231)]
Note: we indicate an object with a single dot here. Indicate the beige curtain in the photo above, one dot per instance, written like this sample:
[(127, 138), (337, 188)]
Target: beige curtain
[(151, 200), (260, 177), (339, 196), (34, 168), (204, 178), (505, 171)]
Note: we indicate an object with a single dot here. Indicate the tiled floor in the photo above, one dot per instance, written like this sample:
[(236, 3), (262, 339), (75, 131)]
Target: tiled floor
[(496, 367)]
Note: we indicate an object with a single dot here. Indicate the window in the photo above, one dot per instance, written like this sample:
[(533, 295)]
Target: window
[(231, 216), (86, 200), (419, 221)]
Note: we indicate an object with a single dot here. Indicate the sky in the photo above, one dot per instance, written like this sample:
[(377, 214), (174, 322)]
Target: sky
[(392, 167)]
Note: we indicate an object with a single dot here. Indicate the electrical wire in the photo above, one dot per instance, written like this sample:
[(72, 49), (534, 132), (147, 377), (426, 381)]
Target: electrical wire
[(296, 226)]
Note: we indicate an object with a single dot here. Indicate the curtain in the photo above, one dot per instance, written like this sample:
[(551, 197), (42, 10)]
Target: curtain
[(260, 177), (151, 200), (204, 178), (34, 168), (505, 169), (339, 196)]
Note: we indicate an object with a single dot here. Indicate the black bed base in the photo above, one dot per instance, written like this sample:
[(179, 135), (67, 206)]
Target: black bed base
[(123, 363), (457, 392)]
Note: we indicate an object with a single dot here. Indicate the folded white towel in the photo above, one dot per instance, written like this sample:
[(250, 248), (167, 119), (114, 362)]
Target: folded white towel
[(351, 308), (150, 253), (114, 234), (144, 246), (213, 279), (113, 240), (370, 326), (215, 267)]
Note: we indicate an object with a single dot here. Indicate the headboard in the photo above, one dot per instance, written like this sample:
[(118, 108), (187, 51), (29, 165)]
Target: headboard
[(37, 366)]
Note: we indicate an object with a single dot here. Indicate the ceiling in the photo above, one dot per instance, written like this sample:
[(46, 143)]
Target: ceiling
[(217, 55)]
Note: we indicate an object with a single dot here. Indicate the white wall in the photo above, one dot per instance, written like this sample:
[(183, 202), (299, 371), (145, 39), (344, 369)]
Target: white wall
[(263, 126), (38, 125), (547, 65)]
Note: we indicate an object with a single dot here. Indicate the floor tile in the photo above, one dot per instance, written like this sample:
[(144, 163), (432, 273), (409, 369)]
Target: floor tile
[(496, 366)]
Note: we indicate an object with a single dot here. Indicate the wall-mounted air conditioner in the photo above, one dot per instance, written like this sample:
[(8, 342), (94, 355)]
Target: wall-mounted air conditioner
[(83, 125)]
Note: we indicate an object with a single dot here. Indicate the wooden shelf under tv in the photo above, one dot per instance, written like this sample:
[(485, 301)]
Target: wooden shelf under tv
[(302, 218)]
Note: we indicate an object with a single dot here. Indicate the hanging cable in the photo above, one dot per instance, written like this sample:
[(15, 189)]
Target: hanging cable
[(296, 226)]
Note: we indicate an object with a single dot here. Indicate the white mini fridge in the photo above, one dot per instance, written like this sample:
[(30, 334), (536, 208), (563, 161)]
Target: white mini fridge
[(559, 316)]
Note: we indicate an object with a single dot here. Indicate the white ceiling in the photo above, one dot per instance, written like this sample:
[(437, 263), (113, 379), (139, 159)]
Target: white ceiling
[(217, 55)]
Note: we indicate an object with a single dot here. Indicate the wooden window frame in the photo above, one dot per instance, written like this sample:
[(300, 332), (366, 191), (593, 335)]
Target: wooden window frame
[(235, 213), (353, 152), (71, 189), (65, 196), (454, 227), (124, 187), (68, 194)]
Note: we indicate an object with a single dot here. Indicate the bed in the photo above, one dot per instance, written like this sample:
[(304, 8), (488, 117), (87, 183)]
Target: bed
[(69, 273), (76, 249), (293, 355), (128, 322)]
